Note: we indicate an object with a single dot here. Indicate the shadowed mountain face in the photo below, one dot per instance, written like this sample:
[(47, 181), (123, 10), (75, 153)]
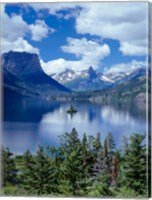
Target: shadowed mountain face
[(91, 73), (22, 71)]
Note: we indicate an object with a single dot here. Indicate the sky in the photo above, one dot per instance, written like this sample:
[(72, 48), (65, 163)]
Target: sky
[(110, 37)]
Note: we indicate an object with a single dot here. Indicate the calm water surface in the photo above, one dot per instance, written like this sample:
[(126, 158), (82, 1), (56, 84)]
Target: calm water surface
[(31, 122)]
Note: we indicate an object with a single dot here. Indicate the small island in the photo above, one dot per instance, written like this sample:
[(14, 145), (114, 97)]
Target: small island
[(72, 110)]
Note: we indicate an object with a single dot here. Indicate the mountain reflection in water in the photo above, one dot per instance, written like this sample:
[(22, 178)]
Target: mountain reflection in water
[(34, 122)]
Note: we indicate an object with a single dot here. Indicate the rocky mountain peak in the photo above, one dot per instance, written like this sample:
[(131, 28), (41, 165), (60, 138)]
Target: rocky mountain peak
[(92, 73)]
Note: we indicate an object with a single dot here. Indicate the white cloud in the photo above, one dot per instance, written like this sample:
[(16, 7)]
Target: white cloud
[(133, 49), (13, 27), (126, 22), (126, 67), (88, 50), (54, 66), (60, 65), (53, 8), (89, 53), (39, 30), (18, 45), (14, 30)]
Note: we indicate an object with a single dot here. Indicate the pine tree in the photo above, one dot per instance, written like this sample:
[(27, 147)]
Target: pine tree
[(45, 173), (102, 176), (98, 155), (87, 163), (9, 171), (74, 166), (110, 146), (28, 171), (125, 144), (123, 154), (55, 160), (87, 156), (40, 174), (69, 141), (97, 144), (134, 166), (105, 165)]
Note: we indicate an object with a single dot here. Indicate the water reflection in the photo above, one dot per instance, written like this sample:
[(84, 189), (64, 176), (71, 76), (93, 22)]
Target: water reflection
[(28, 109), (20, 136), (52, 120), (105, 119)]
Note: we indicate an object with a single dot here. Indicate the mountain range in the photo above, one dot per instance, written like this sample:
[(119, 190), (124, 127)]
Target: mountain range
[(23, 76), (85, 80), (90, 80)]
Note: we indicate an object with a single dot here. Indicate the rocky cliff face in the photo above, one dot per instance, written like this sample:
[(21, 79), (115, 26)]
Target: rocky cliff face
[(26, 67), (23, 64)]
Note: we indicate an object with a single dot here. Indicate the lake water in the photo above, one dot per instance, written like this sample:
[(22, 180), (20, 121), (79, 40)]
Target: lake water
[(29, 123)]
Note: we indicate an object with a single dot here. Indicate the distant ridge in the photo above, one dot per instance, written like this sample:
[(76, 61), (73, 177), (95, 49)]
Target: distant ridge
[(91, 80), (85, 80)]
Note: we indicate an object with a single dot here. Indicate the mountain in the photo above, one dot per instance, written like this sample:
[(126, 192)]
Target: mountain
[(129, 91), (85, 80), (90, 80), (120, 77), (22, 73)]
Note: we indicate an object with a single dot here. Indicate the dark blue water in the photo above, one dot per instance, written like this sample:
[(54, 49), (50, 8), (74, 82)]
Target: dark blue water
[(34, 122)]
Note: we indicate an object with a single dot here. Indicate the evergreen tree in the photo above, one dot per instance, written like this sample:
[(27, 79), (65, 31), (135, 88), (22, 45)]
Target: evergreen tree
[(40, 173), (105, 173), (79, 168), (98, 156), (8, 169), (110, 146), (45, 173), (102, 176), (111, 149), (73, 170), (69, 141), (125, 144), (87, 163), (75, 162), (123, 153), (28, 172), (134, 165), (97, 144), (54, 163)]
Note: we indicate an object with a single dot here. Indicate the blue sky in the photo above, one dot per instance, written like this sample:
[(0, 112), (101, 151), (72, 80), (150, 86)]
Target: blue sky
[(107, 36)]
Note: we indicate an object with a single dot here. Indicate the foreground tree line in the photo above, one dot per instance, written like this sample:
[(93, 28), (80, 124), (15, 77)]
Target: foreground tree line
[(79, 167)]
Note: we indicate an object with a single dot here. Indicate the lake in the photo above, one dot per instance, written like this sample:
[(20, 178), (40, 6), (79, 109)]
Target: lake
[(30, 122)]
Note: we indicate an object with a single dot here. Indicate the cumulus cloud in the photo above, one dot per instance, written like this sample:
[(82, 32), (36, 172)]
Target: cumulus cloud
[(126, 67), (88, 52), (126, 22), (39, 30), (14, 30), (132, 49), (18, 45), (12, 27)]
